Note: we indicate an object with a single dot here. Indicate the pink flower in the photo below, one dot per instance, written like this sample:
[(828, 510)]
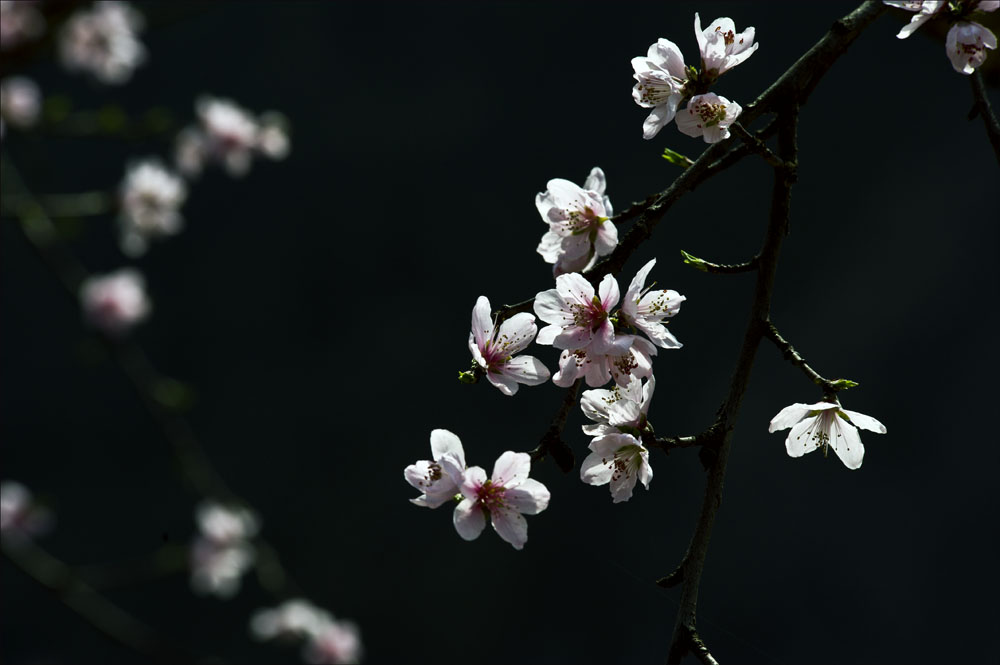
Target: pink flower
[(20, 101), (635, 361), (722, 48), (494, 349), (333, 643), (115, 302), (708, 116), (966, 45), (505, 496), (577, 318), (438, 480), (661, 77), (580, 230), (326, 639), (222, 553), (646, 309)]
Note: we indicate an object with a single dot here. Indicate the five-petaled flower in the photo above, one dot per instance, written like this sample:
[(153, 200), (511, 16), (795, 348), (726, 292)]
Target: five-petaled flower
[(504, 496), (661, 76), (438, 479), (636, 361), (115, 302), (580, 230), (825, 425), (646, 309), (722, 48), (222, 552), (618, 410), (577, 317), (494, 348), (619, 459), (708, 116)]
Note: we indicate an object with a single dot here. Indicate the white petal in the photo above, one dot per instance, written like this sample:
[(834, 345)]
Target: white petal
[(511, 469), (482, 322), (622, 486), (606, 239), (516, 333), (609, 293), (659, 117), (469, 520), (476, 353), (505, 384), (566, 194), (550, 307), (525, 369), (595, 470), (574, 289), (789, 416), (596, 181), (595, 404), (548, 334), (530, 497), (800, 441), (550, 246), (444, 442), (865, 422), (846, 442), (511, 526)]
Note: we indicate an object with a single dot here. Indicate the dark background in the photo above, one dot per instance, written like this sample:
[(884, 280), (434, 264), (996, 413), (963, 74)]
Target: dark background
[(320, 309)]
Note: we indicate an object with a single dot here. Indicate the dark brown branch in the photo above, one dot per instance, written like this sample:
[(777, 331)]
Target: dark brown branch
[(985, 111), (710, 437), (755, 144), (830, 387), (685, 628), (552, 442)]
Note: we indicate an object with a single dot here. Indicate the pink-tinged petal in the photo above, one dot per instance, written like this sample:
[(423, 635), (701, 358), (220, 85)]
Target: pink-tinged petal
[(544, 203), (638, 282), (567, 265), (789, 416), (566, 194), (417, 473), (606, 239), (574, 289), (570, 367), (453, 467), (659, 117), (505, 384), (722, 24), (511, 526), (988, 5), (574, 246), (669, 58), (469, 520), (550, 307), (444, 443), (473, 478), (550, 246), (640, 65), (603, 340), (800, 440), (865, 422), (525, 369), (476, 353), (715, 134), (596, 182), (482, 322), (846, 442), (511, 469), (548, 334), (597, 372), (573, 338), (530, 497), (516, 333), (608, 292), (595, 469)]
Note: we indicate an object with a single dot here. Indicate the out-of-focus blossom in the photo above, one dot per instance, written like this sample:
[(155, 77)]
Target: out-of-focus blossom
[(825, 425), (580, 230), (115, 302), (222, 552), (966, 45), (20, 22), (151, 197), (619, 460), (504, 496), (661, 77), (721, 47), (494, 349), (708, 116), (20, 102), (326, 640), (646, 309), (577, 318), (229, 135), (438, 479), (103, 41), (597, 369), (20, 516)]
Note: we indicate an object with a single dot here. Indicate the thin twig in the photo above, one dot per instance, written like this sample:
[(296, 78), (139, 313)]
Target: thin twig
[(719, 268), (830, 387), (755, 144), (986, 111)]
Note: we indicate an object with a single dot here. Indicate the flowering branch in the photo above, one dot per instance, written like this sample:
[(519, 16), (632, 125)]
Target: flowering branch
[(830, 387), (986, 111), (756, 144), (552, 442)]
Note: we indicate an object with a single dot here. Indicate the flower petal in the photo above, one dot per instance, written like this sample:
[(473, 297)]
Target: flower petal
[(789, 416), (596, 181), (505, 384), (473, 478), (516, 333), (530, 497), (865, 422), (511, 469), (444, 442), (482, 322), (528, 370), (846, 442), (511, 526), (469, 519), (800, 440), (550, 307), (595, 469)]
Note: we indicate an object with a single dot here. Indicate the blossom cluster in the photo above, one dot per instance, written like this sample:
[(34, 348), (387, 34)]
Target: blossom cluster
[(967, 41), (21, 517), (325, 640), (222, 552)]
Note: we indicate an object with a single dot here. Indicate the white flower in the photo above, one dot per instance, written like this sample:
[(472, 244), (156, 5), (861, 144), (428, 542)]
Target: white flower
[(103, 41), (722, 48), (661, 76), (438, 480), (618, 459), (293, 618), (115, 302), (580, 230), (823, 425), (597, 369), (20, 516), (646, 309), (222, 552), (494, 348), (229, 135), (20, 101), (618, 410), (966, 45), (20, 22), (151, 197), (925, 9), (708, 116), (334, 643), (577, 318), (505, 496)]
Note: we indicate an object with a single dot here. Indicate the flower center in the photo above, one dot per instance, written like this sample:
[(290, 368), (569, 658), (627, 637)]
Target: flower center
[(710, 114), (491, 497), (622, 464)]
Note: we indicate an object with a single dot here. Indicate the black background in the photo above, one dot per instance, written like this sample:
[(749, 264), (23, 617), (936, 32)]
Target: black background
[(320, 308)]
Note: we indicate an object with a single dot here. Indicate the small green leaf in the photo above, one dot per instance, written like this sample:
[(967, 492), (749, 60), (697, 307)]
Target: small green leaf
[(676, 158), (691, 260), (843, 384)]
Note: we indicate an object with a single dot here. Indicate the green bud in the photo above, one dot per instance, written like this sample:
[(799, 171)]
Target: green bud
[(692, 260), (467, 377), (677, 158), (843, 384)]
